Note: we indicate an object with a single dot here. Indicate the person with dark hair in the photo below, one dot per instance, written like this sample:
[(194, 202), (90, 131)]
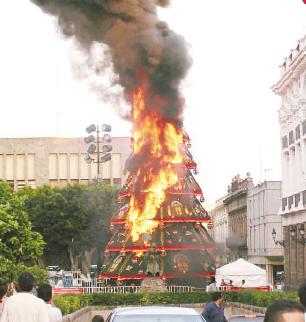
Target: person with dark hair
[(97, 318), (284, 311), (214, 311), (24, 306), (212, 286), (302, 296), (3, 290), (44, 292)]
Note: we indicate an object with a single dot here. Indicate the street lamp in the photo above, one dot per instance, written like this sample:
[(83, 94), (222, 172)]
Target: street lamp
[(302, 240), (95, 153), (277, 242), (292, 231)]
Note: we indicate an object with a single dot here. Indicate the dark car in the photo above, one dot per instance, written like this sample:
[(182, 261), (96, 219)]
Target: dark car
[(155, 314), (247, 318)]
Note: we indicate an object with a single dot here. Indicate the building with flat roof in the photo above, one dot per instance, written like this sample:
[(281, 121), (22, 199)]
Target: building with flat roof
[(58, 161), (263, 202)]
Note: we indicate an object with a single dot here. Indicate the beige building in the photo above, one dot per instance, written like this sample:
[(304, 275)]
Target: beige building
[(236, 202), (57, 161), (263, 203)]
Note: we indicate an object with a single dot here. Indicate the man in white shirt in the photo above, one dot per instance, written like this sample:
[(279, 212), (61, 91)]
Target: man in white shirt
[(45, 293), (24, 306)]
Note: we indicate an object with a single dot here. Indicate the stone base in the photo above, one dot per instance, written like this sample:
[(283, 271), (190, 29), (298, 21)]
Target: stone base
[(153, 285)]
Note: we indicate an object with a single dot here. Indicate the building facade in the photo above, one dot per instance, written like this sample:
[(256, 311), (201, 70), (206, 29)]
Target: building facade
[(236, 202), (291, 87), (263, 204), (219, 217), (57, 161)]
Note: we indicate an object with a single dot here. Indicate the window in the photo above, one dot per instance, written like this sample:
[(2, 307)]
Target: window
[(284, 203), (291, 137), (106, 181), (304, 197), (304, 127), (297, 199), (285, 142), (290, 202), (298, 132)]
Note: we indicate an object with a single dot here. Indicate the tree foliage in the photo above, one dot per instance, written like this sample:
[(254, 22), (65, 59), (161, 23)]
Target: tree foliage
[(19, 244), (74, 220)]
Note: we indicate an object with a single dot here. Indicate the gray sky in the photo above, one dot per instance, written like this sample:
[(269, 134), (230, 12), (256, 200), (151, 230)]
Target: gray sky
[(231, 113)]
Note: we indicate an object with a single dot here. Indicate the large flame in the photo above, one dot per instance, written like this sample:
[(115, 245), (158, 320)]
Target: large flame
[(159, 142)]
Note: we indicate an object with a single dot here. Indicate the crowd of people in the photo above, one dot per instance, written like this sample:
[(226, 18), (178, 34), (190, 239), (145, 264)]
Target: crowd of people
[(26, 304), (279, 311)]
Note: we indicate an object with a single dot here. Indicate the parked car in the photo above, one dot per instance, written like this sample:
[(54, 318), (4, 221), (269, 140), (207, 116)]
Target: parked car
[(155, 314), (247, 318)]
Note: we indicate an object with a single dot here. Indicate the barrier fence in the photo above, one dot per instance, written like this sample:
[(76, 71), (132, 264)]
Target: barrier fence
[(115, 289)]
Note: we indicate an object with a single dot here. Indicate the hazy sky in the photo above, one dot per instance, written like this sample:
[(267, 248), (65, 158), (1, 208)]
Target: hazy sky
[(231, 113)]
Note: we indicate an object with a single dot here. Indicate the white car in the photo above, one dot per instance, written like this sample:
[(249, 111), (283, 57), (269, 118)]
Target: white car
[(155, 314)]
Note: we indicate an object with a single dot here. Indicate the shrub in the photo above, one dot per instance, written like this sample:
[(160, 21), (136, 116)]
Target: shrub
[(70, 303)]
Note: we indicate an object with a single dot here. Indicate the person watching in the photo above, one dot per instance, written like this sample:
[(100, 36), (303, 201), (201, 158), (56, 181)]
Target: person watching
[(284, 311), (44, 292), (24, 306), (214, 311)]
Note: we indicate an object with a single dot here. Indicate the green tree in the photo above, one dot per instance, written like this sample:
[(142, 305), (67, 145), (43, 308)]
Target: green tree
[(19, 244), (73, 221)]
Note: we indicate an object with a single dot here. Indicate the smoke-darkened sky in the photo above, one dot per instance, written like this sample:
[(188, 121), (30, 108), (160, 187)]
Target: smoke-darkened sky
[(231, 113)]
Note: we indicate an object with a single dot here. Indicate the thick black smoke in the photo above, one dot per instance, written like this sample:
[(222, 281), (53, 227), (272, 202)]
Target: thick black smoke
[(139, 43)]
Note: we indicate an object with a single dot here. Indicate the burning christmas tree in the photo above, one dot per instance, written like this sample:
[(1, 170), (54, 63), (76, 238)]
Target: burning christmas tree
[(160, 227)]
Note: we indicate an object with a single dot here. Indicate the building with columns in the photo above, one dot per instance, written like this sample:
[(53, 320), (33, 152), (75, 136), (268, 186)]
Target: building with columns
[(57, 161), (236, 202), (263, 202), (291, 87)]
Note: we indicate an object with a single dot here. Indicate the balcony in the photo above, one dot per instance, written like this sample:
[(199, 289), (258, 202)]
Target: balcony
[(235, 242)]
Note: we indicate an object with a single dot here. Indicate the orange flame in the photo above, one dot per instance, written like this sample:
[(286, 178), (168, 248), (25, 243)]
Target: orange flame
[(158, 141)]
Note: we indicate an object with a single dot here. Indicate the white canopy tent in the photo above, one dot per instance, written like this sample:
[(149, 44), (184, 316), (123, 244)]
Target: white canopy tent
[(239, 270)]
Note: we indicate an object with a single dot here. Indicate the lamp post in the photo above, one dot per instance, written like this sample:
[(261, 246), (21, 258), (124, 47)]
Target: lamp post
[(277, 242), (96, 153), (302, 239)]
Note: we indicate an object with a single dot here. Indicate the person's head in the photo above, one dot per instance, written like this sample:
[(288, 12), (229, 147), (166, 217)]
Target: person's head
[(212, 279), (3, 290), (284, 311), (217, 297), (97, 318), (44, 292), (302, 295), (25, 282)]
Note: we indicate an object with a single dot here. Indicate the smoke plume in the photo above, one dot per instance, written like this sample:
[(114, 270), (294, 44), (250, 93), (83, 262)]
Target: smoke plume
[(138, 44)]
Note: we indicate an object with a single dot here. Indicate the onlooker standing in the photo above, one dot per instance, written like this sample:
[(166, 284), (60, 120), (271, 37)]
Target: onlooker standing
[(212, 286), (45, 293), (3, 290), (24, 306), (214, 311), (284, 311)]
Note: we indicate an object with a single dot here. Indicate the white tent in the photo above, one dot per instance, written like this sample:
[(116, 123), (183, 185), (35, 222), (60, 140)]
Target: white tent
[(239, 270)]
